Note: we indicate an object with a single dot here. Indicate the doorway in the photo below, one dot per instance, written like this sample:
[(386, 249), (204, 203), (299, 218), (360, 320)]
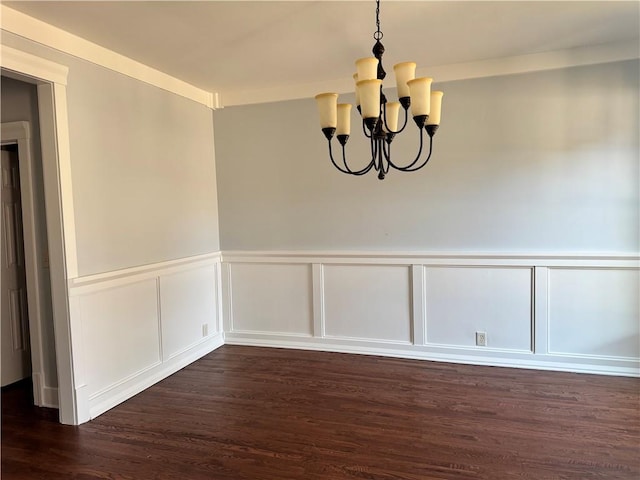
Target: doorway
[(28, 341), (25, 286)]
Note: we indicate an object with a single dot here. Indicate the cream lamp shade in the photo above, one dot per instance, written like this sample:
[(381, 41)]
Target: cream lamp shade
[(420, 90), (370, 97), (404, 71), (327, 108)]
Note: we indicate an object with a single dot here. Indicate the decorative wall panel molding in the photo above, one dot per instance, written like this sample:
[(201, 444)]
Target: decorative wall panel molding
[(371, 302), (141, 324), (594, 312), (120, 333), (271, 298), (494, 300), (574, 313), (187, 314)]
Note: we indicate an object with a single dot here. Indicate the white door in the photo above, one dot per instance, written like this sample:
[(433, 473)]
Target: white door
[(16, 357)]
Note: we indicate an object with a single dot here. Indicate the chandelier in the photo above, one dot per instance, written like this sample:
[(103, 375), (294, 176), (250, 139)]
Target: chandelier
[(380, 117)]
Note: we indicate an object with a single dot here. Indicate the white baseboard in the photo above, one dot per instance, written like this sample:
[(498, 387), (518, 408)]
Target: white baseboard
[(43, 396), (50, 397), (495, 358), (122, 392), (36, 378)]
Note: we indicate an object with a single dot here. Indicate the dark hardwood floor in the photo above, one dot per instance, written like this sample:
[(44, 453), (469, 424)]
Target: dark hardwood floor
[(257, 413)]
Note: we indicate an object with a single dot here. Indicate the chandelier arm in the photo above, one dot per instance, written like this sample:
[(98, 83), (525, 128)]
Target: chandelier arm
[(384, 118), (334, 162), (409, 169), (385, 151), (350, 172), (364, 171), (406, 117), (364, 129), (386, 148), (383, 167), (358, 172), (387, 155), (375, 153)]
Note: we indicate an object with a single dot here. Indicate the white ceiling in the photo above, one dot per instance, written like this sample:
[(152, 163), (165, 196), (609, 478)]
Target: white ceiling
[(240, 46)]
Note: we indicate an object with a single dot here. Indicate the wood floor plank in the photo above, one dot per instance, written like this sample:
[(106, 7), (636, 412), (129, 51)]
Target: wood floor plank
[(274, 414)]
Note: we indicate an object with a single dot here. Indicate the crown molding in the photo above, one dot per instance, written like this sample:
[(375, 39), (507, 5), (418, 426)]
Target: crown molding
[(573, 57), (535, 62), (40, 32)]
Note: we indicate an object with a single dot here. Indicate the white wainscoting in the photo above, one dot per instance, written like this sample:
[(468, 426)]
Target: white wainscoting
[(142, 324), (554, 312)]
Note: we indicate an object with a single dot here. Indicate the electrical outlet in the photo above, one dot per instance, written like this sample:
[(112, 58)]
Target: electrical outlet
[(205, 329), (481, 339)]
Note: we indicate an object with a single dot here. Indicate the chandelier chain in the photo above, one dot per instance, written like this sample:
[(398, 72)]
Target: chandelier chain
[(378, 34)]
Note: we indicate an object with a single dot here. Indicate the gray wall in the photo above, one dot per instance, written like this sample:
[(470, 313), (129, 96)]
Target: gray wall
[(19, 102), (143, 168), (538, 162)]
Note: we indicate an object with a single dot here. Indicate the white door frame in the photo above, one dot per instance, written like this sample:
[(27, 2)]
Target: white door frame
[(51, 79), (19, 133)]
